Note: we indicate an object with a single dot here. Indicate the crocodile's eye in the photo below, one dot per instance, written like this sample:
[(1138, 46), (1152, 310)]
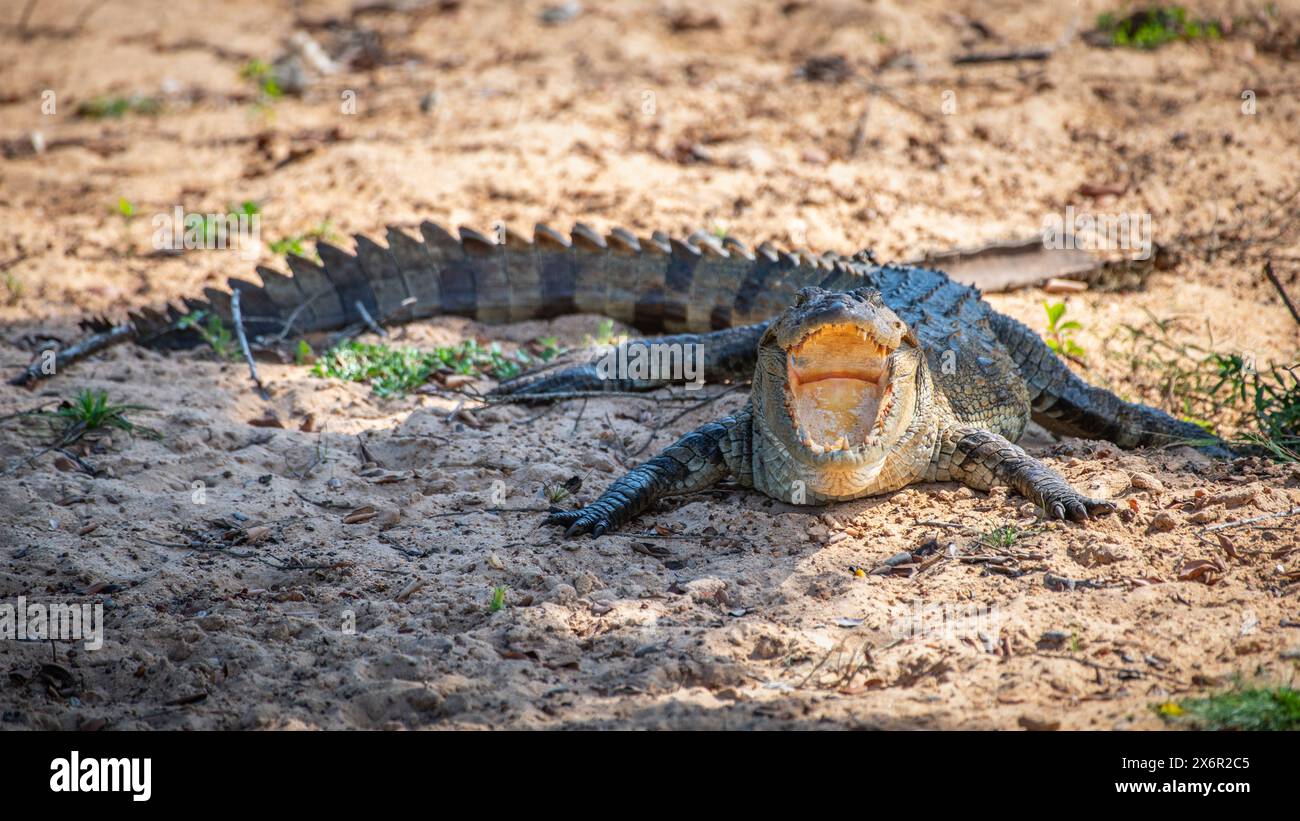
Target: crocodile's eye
[(806, 294)]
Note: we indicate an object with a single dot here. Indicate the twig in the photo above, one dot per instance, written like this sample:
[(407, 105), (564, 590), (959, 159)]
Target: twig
[(25, 16), (707, 401), (90, 9), (12, 261), (243, 342), (293, 317), (1272, 277), (519, 398), (578, 418), (29, 411), (1016, 55), (1225, 525), (859, 138), (369, 320), (1117, 670), (454, 513), (1041, 53), (77, 351)]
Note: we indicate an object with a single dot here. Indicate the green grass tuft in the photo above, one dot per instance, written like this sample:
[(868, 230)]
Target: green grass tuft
[(214, 333), (90, 410), (396, 371), (1257, 409), (1156, 26), (112, 108), (1276, 708)]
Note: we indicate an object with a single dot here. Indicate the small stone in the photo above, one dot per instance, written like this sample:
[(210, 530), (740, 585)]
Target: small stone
[(1236, 497), (1164, 521), (707, 589), (563, 594), (1056, 285), (1145, 481)]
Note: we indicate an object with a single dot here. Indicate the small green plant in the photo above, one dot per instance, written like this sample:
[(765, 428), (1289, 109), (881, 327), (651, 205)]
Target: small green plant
[(90, 410), (106, 108), (604, 334), (1255, 408), (13, 288), (294, 244), (395, 371), (1002, 537), (247, 208), (556, 492), (1154, 27), (1268, 708), (390, 371), (498, 599), (214, 332), (1060, 334), (262, 75), (126, 211), (303, 354)]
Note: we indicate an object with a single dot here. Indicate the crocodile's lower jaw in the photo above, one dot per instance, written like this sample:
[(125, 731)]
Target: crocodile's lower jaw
[(780, 475)]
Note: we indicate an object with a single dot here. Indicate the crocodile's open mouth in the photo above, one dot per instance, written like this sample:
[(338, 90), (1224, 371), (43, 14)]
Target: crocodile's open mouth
[(839, 390)]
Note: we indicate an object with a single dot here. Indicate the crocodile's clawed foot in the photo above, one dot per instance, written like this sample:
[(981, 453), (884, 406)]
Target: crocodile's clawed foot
[(594, 519), (1076, 507)]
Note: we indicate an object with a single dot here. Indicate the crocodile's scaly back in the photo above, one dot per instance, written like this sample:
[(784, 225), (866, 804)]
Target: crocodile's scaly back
[(654, 284)]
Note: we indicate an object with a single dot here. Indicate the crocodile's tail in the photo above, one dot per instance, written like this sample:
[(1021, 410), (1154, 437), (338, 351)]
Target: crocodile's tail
[(656, 284)]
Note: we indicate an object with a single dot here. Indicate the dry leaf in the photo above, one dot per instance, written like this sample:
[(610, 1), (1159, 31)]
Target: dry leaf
[(361, 514)]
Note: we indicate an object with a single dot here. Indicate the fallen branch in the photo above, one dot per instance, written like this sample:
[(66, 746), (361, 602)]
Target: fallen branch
[(1225, 525), (73, 353), (238, 319), (1286, 300), (370, 320), (1042, 53)]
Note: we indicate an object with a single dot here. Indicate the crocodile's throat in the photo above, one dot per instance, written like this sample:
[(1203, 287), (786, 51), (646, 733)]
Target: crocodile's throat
[(838, 388)]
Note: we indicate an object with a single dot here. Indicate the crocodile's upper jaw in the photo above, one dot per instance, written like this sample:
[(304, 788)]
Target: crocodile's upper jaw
[(838, 390), (837, 398)]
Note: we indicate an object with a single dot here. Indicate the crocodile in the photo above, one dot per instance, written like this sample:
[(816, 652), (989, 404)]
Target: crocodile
[(866, 377)]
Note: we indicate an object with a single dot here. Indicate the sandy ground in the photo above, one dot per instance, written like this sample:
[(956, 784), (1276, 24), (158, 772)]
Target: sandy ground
[(724, 609)]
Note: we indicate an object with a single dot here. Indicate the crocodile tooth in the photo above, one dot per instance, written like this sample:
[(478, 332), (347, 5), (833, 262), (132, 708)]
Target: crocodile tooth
[(816, 447)]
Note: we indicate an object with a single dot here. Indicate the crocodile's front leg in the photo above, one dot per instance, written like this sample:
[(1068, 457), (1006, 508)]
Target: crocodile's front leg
[(980, 459), (696, 461), (728, 353)]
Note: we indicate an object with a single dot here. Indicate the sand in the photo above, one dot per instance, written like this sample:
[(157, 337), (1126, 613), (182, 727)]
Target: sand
[(723, 609)]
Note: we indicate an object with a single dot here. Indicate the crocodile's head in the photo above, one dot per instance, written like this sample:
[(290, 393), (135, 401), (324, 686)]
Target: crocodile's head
[(841, 392)]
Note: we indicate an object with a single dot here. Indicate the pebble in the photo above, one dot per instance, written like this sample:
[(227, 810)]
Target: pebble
[(1145, 481), (1164, 521)]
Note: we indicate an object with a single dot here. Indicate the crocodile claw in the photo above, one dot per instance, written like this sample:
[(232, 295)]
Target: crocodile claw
[(1076, 507), (584, 520)]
